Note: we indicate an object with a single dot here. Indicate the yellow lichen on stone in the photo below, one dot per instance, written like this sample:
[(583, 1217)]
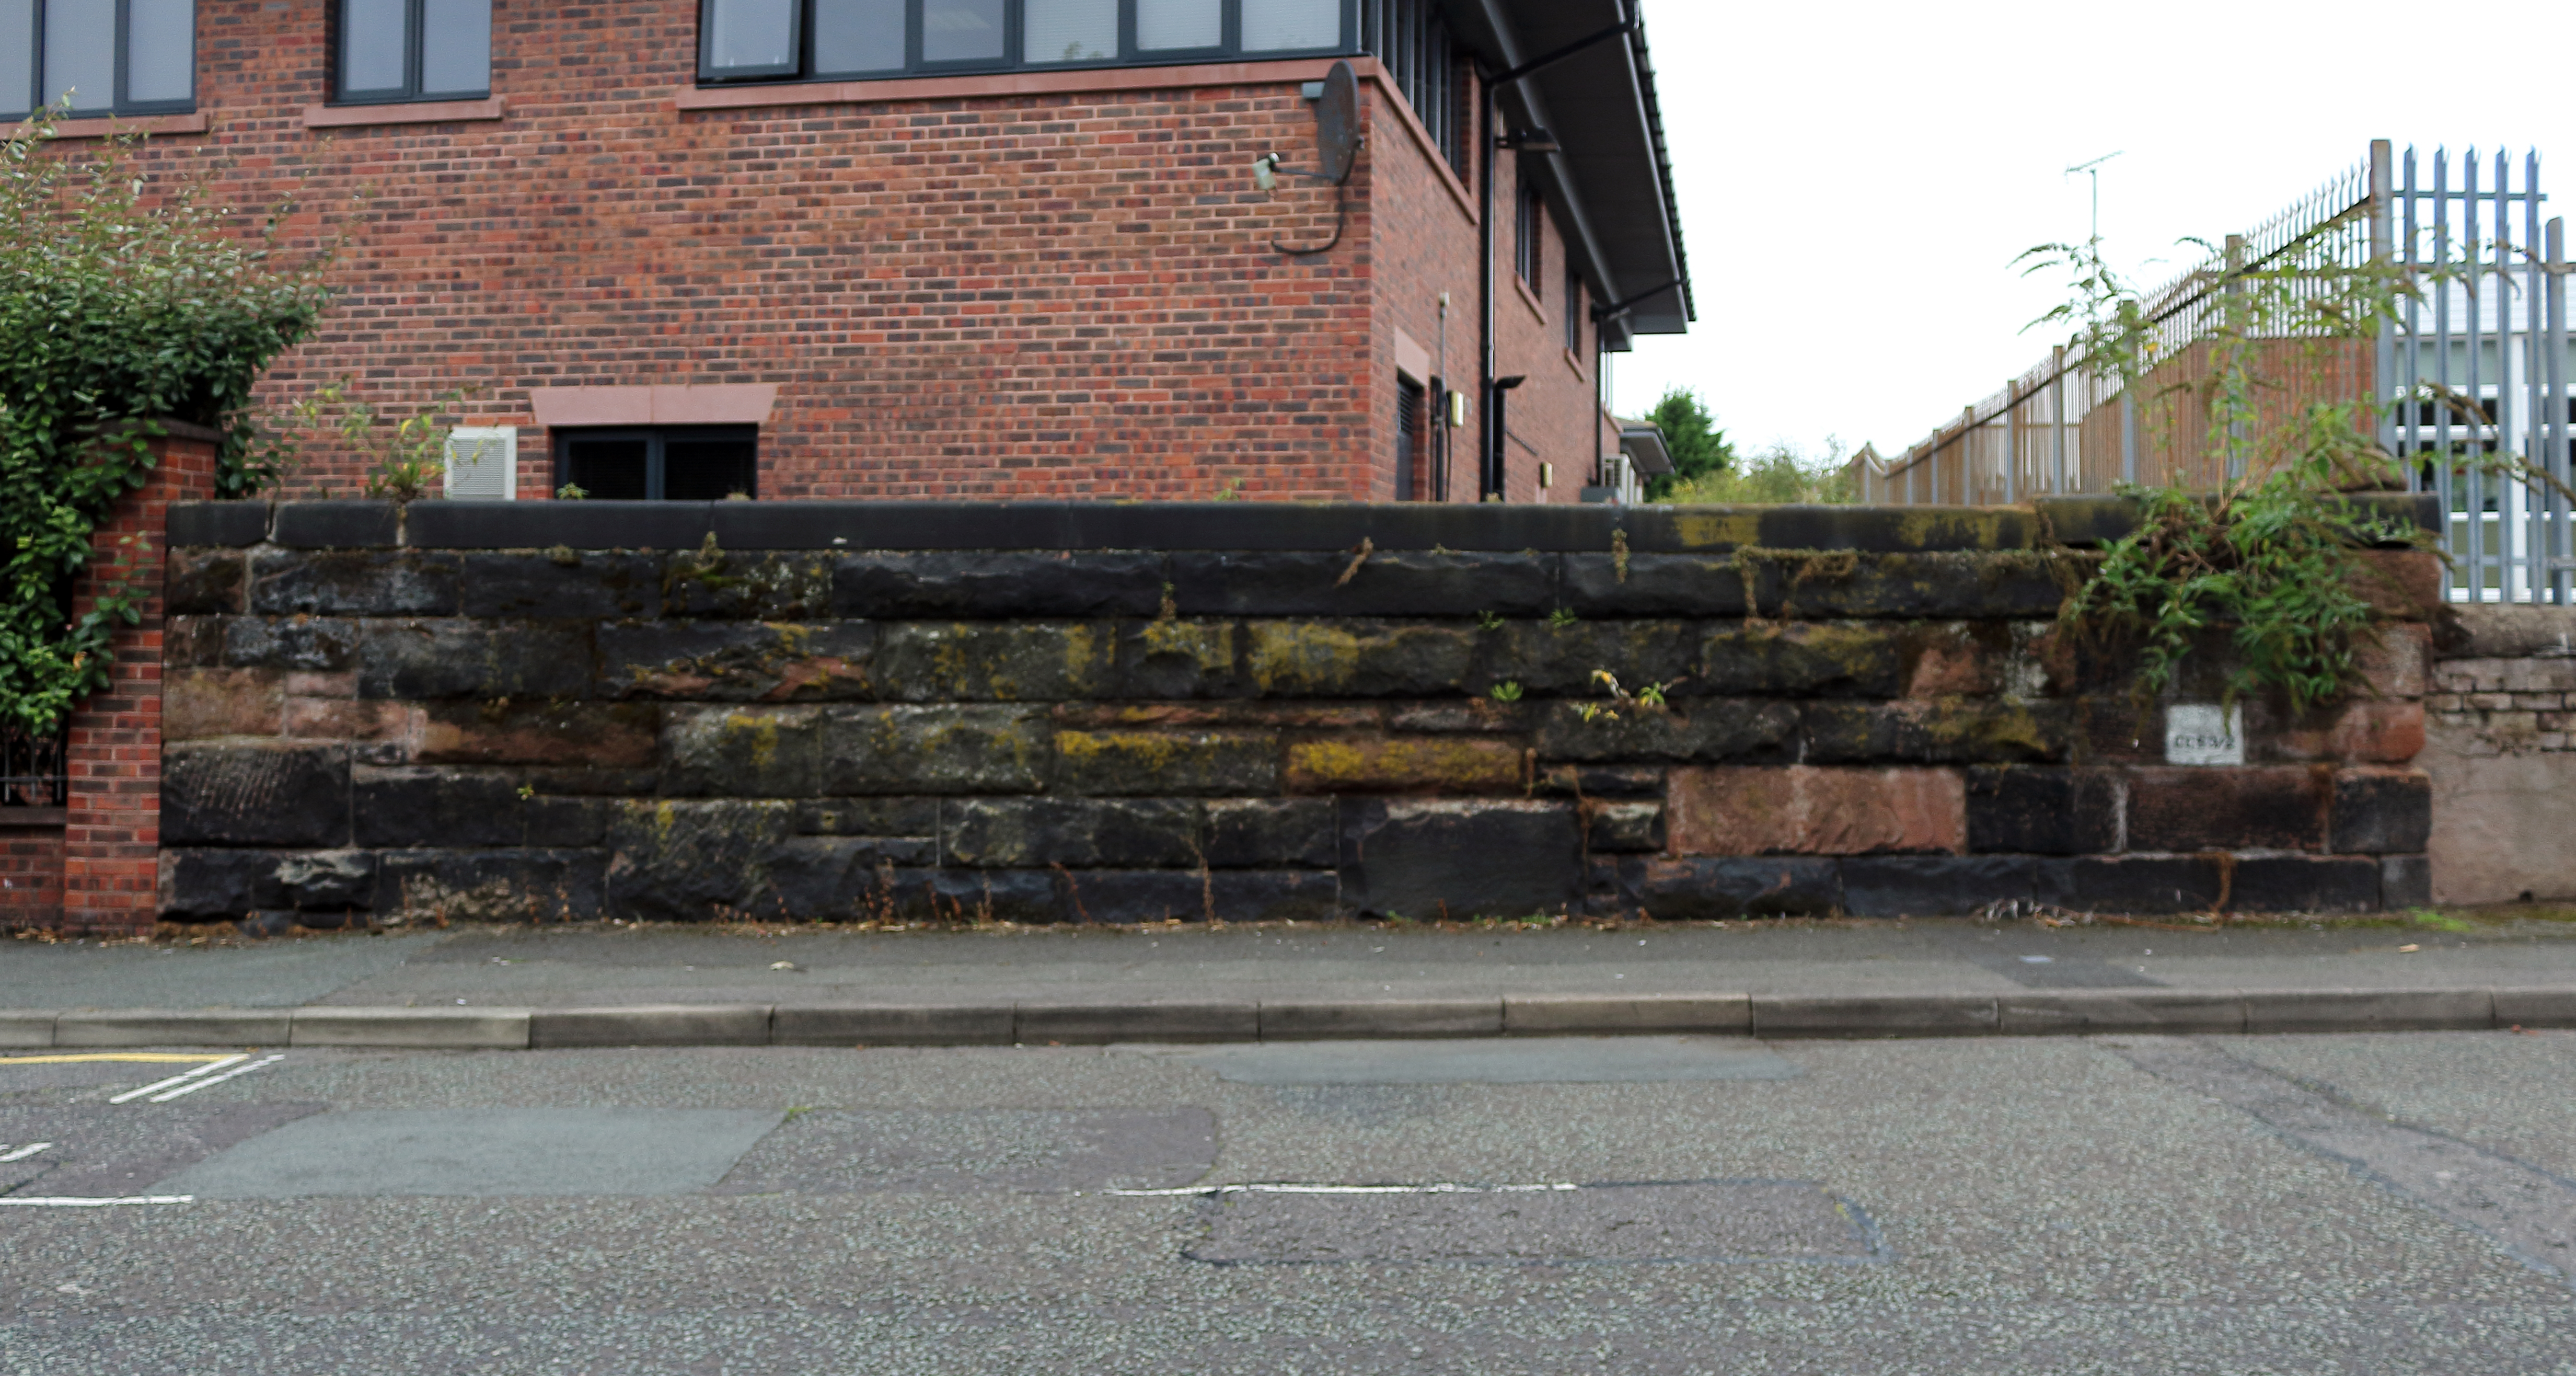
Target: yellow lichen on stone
[(1717, 527), (1368, 763), (1302, 657)]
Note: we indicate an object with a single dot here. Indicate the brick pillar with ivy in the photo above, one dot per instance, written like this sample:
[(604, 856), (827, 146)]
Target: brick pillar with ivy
[(112, 755)]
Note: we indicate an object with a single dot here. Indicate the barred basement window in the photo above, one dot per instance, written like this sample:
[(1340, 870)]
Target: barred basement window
[(113, 57), (829, 40), (677, 463), (399, 50)]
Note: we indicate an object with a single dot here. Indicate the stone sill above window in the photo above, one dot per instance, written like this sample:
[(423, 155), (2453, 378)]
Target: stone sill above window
[(401, 112), (130, 124)]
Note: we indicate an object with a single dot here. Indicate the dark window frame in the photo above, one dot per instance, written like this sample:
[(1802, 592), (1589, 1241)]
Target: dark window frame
[(1013, 58), (1529, 231), (12, 110), (1412, 401), (655, 438), (415, 56), (1412, 41), (1573, 309)]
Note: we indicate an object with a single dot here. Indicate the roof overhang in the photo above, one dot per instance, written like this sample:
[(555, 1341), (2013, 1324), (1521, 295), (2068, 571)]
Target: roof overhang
[(1611, 179), (1644, 446)]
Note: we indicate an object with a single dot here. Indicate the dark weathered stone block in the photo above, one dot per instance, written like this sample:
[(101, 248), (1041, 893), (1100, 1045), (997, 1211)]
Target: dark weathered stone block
[(1035, 833), (544, 525), (1266, 833), (588, 735), (2303, 884), (1181, 659), (2276, 808), (352, 583), (1687, 585), (1721, 889), (200, 884), (255, 795), (1445, 859), (204, 582), (1940, 731), (337, 525), (2131, 884), (1335, 659), (1611, 828), (936, 750), (1395, 583), (1705, 730), (192, 641), (693, 861), (566, 586), (490, 885), (474, 659), (996, 662), (1132, 896), (998, 583), (1935, 885), (735, 661), (2030, 810), (1167, 763), (1601, 781), (575, 782), (558, 822), (756, 587), (928, 895), (1441, 765), (1942, 586), (315, 645), (743, 752), (2405, 881), (417, 808), (836, 878), (1563, 661), (213, 525), (868, 817), (1820, 659), (2382, 811)]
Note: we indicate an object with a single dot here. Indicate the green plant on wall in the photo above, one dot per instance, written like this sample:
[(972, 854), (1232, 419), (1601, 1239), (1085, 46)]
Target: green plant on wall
[(122, 304), (2270, 556)]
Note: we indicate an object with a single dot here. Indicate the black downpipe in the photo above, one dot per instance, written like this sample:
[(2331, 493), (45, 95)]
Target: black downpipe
[(1489, 434)]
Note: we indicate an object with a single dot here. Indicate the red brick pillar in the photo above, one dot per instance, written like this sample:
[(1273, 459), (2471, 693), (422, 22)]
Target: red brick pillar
[(112, 823)]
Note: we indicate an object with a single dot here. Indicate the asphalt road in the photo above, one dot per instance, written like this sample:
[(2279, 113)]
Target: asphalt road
[(2389, 1203)]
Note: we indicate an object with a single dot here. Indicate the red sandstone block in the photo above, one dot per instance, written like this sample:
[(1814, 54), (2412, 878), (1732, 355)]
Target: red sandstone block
[(1803, 810)]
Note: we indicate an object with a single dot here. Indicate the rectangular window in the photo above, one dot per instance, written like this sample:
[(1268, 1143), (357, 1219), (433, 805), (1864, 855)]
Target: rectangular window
[(817, 40), (399, 50), (1528, 253), (1573, 309), (1411, 40), (1408, 438), (111, 57), (685, 463)]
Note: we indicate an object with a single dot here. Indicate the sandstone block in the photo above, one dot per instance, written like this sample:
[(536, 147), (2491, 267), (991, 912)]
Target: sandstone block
[(203, 582), (490, 885), (591, 586), (785, 586), (2276, 807), (2034, 810), (599, 735), (1720, 889), (1006, 583), (1935, 885), (201, 703), (352, 583), (266, 794), (1450, 859), (743, 752), (421, 807), (935, 750), (1701, 730), (1802, 810), (1825, 659), (1399, 764), (735, 661), (996, 662), (1179, 659), (1613, 827), (2382, 811), (1271, 833), (1358, 659), (1393, 583), (472, 659), (1082, 833), (1944, 731), (1185, 763)]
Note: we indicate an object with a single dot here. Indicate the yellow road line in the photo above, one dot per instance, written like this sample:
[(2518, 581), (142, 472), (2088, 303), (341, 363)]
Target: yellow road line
[(153, 1057)]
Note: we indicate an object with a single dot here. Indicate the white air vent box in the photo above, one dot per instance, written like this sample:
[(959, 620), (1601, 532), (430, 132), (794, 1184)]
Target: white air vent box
[(482, 464)]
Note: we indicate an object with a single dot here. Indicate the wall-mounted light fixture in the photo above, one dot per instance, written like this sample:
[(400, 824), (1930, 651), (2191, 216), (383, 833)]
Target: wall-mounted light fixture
[(1265, 171), (1528, 141)]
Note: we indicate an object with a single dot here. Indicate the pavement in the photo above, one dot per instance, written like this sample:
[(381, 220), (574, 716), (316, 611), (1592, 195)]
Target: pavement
[(656, 985), (2338, 1203)]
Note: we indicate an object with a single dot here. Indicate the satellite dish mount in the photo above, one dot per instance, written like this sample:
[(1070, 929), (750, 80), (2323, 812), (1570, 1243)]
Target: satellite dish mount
[(1337, 146)]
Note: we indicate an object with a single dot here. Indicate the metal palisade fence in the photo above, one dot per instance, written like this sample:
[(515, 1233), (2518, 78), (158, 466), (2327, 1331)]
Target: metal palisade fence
[(2476, 362)]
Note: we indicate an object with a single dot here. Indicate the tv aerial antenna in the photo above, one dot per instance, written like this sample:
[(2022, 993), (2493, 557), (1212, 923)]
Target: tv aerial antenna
[(2093, 170)]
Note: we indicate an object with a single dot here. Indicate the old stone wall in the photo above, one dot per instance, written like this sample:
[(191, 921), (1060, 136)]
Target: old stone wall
[(2501, 751), (1119, 713)]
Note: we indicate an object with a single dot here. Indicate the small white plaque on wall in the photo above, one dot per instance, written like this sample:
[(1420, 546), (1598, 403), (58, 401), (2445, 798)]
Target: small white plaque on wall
[(2204, 733)]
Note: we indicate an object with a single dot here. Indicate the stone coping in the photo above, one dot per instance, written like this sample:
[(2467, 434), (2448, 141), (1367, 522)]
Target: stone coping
[(944, 525), (1215, 1018)]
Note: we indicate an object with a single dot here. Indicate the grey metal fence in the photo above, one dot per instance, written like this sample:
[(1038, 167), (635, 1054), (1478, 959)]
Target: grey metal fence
[(2478, 361), (32, 772)]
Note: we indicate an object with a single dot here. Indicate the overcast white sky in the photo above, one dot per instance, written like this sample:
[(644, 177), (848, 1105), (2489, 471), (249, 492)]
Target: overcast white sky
[(1856, 178)]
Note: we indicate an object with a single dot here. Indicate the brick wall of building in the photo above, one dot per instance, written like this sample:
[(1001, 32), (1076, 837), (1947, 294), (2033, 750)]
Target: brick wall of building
[(1112, 713), (990, 287), (31, 873)]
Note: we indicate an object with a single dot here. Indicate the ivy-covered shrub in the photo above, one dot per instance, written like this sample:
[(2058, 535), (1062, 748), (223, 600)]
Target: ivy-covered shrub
[(121, 304)]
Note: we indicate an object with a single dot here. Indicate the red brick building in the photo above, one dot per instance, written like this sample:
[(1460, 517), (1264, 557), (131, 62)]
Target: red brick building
[(933, 248)]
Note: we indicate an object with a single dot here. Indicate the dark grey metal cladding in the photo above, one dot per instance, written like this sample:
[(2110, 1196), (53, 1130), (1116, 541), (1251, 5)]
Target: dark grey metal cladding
[(217, 525), (546, 525)]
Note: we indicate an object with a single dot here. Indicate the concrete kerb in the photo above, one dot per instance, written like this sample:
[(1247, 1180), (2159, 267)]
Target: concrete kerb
[(2037, 1013)]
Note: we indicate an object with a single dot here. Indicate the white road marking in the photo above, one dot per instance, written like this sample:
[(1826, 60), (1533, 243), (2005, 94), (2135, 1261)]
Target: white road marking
[(64, 1202), (24, 1152), (181, 1078), (1205, 1190), (195, 1085)]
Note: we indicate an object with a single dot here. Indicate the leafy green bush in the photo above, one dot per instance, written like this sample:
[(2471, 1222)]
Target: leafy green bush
[(1691, 436), (1779, 474), (120, 306)]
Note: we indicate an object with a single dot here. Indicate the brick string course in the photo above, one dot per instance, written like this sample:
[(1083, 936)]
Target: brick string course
[(1067, 295), (361, 731)]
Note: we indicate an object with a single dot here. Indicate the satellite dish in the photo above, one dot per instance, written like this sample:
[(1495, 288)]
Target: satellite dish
[(1337, 123)]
